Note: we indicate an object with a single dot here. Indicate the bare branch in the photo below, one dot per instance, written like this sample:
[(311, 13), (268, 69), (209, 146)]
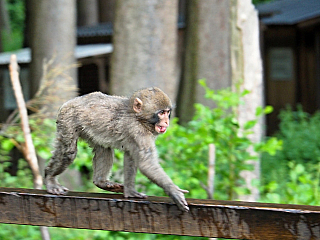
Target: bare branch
[(29, 150)]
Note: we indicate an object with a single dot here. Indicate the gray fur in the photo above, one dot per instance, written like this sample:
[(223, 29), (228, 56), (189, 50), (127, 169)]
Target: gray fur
[(109, 122)]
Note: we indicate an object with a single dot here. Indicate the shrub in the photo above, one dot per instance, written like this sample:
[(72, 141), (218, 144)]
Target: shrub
[(297, 165)]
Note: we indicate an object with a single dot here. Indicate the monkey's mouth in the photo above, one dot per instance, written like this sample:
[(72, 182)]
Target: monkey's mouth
[(160, 129)]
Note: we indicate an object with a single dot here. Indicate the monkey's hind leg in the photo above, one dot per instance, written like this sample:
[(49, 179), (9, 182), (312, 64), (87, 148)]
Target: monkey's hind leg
[(102, 164), (64, 154)]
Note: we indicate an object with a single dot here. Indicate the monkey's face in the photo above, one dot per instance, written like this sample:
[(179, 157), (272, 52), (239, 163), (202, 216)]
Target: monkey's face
[(162, 124), (153, 108)]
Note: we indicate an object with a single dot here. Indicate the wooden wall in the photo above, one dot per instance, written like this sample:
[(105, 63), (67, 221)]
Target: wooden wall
[(280, 78), (291, 69)]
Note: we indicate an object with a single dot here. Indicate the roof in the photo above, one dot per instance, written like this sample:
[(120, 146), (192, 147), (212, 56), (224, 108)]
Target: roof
[(106, 29), (102, 29), (288, 12), (82, 51)]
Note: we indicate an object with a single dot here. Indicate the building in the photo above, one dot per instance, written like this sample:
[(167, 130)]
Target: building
[(290, 40), (92, 73)]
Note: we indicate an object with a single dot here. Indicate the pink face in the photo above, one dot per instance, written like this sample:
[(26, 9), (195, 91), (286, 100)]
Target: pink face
[(163, 124)]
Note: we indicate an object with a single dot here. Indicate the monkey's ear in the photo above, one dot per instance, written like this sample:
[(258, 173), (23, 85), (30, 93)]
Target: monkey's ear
[(137, 105)]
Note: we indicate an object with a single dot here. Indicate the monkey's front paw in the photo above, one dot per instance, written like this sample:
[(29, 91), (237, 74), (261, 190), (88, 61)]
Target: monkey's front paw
[(133, 193), (177, 196)]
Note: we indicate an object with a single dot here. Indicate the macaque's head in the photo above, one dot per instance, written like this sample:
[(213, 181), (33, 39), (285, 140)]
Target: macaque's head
[(152, 106)]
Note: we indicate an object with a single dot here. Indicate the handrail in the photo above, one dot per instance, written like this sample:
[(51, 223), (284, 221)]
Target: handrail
[(207, 218)]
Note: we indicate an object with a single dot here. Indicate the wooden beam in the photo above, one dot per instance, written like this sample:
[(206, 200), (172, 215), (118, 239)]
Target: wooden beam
[(208, 218)]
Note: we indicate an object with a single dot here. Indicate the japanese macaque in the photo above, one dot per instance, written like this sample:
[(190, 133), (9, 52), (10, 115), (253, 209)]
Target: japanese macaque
[(108, 122)]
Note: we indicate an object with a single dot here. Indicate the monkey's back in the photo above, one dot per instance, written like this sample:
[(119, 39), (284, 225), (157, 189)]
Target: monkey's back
[(98, 118)]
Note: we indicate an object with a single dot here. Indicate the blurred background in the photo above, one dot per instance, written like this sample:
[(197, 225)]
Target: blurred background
[(257, 102)]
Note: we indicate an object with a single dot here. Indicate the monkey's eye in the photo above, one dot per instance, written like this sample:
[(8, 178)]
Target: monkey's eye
[(162, 112)]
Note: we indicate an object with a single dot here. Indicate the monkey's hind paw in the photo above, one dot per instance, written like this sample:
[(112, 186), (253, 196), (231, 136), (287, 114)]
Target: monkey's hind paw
[(134, 194), (109, 186)]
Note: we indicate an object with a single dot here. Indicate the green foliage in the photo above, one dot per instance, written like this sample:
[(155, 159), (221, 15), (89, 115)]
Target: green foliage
[(298, 162), (13, 40), (301, 133), (301, 185), (261, 1), (19, 232), (42, 131), (16, 9), (24, 175)]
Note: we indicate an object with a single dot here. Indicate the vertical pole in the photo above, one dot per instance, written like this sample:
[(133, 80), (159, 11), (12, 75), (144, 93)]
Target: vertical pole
[(211, 170)]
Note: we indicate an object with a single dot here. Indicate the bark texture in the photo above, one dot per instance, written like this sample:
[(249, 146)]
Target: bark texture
[(52, 70), (106, 10), (207, 54), (247, 67), (88, 13), (53, 38), (145, 38), (222, 45)]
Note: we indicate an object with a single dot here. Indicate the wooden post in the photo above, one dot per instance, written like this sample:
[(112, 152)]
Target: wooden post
[(211, 170), (206, 218)]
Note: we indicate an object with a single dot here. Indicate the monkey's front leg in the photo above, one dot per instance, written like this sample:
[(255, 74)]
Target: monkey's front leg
[(102, 164), (150, 167), (130, 171)]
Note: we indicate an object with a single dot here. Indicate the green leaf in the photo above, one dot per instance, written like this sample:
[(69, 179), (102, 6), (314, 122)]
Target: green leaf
[(258, 111), (44, 153), (7, 144), (250, 124), (268, 109), (245, 92)]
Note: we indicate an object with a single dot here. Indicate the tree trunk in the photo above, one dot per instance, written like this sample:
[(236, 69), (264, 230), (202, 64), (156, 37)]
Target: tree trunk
[(207, 53), (247, 67), (87, 12), (145, 39), (53, 38), (222, 45), (54, 81), (106, 10)]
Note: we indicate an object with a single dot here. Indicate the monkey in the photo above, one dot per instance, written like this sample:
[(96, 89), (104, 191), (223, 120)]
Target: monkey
[(110, 122)]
